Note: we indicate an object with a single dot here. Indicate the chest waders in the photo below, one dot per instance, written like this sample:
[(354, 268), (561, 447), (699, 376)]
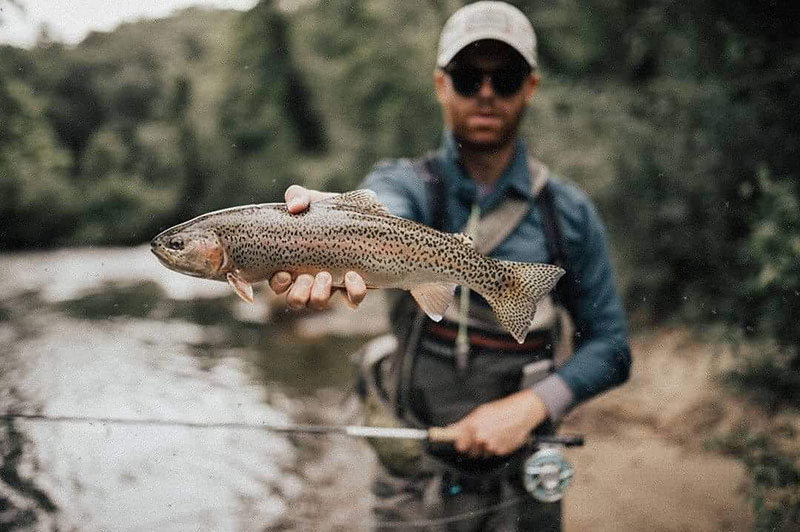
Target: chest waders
[(388, 366)]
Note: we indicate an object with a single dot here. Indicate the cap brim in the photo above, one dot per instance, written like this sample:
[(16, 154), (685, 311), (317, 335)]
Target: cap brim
[(446, 56)]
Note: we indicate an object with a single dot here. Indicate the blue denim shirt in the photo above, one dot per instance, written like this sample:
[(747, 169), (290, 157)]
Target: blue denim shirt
[(602, 356)]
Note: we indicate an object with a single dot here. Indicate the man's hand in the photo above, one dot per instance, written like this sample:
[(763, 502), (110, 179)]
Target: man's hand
[(500, 427), (307, 291)]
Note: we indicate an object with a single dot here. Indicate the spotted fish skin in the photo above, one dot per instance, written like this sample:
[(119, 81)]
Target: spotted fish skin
[(353, 232)]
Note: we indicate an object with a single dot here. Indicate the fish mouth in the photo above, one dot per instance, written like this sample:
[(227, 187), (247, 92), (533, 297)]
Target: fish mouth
[(167, 263), (215, 270), (158, 251)]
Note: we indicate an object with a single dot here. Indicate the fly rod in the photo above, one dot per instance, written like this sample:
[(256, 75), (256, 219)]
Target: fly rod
[(433, 434)]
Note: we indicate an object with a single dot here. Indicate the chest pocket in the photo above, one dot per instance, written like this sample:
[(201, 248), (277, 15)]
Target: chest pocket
[(527, 243)]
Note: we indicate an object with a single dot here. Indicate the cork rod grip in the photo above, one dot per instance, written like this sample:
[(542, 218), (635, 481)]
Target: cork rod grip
[(442, 434)]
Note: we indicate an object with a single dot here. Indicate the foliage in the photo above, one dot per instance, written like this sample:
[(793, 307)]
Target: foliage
[(767, 380), (771, 460), (773, 250), (37, 202), (373, 112), (679, 119), (258, 111), (663, 113)]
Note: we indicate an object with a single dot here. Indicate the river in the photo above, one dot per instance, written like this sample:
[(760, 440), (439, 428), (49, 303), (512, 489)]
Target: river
[(110, 333)]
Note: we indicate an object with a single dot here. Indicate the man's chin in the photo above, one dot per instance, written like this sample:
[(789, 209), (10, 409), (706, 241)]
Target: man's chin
[(483, 142)]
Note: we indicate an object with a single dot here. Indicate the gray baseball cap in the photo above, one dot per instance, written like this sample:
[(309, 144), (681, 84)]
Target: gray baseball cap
[(487, 20)]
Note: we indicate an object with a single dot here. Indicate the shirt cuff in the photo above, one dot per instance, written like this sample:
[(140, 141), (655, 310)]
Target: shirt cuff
[(557, 396)]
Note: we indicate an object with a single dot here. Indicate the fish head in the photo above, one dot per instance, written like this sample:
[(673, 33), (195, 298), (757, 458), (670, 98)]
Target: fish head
[(191, 249)]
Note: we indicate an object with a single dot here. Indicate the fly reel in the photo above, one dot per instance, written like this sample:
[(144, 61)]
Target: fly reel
[(547, 474)]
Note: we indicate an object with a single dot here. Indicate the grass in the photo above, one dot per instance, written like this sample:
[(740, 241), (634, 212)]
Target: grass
[(771, 454), (767, 381), (775, 473)]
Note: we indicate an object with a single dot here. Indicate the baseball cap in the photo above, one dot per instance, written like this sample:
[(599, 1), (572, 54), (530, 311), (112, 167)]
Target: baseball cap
[(487, 20)]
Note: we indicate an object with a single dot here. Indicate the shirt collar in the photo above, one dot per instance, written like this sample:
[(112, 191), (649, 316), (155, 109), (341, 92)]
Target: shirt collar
[(515, 179)]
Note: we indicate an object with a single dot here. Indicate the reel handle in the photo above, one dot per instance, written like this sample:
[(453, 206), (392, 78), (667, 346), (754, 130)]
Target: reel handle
[(565, 440)]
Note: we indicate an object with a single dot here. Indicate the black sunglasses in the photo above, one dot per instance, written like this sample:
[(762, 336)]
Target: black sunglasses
[(468, 80)]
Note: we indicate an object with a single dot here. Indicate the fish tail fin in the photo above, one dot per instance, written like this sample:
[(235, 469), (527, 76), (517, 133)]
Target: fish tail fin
[(515, 290)]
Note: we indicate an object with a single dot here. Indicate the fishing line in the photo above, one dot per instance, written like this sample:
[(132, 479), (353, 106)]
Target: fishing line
[(92, 420), (436, 434), (314, 429), (414, 523), (434, 521)]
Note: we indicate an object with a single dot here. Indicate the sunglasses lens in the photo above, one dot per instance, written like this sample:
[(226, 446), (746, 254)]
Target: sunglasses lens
[(467, 81), (506, 82)]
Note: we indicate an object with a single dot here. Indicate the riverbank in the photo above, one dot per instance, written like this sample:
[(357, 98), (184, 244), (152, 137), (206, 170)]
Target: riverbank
[(645, 466)]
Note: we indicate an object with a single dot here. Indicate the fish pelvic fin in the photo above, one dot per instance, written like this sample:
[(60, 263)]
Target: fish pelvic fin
[(242, 288), (464, 239), (518, 287), (434, 298)]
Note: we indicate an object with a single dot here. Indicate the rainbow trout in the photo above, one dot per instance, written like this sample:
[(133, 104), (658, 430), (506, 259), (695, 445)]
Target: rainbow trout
[(353, 232)]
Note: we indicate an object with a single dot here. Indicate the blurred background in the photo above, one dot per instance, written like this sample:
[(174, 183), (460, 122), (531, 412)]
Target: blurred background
[(680, 121)]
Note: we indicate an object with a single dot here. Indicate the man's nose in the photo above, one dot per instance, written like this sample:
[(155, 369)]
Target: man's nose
[(486, 89)]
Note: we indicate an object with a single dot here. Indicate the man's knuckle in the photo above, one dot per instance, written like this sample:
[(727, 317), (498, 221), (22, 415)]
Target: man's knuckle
[(294, 303), (318, 300)]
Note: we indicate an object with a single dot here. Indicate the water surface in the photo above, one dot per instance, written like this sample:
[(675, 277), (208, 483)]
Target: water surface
[(110, 333)]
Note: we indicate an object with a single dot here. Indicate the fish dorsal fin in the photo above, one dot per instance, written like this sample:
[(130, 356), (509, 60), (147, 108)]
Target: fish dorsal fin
[(464, 239), (364, 200), (434, 298)]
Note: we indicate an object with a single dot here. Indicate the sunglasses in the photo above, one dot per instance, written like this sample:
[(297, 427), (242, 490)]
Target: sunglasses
[(467, 81)]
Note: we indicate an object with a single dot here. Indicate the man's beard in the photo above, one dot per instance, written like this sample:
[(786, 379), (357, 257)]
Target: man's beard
[(465, 144), (507, 136)]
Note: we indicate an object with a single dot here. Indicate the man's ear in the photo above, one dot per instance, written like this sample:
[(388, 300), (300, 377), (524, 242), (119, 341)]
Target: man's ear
[(530, 86), (440, 83)]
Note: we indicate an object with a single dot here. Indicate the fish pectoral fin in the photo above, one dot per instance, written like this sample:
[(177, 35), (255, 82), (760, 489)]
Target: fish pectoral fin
[(434, 298), (242, 288), (364, 199)]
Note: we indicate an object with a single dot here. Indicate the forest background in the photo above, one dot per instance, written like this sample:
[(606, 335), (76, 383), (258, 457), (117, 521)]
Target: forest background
[(679, 119)]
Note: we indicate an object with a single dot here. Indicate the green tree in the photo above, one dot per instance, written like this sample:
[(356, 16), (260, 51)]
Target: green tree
[(774, 254), (37, 201), (371, 64), (254, 116)]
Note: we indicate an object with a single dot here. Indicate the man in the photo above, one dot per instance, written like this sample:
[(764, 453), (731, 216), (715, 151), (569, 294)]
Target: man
[(463, 373)]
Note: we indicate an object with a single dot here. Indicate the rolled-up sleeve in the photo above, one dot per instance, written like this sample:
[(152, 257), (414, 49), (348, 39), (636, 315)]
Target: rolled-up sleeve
[(556, 395)]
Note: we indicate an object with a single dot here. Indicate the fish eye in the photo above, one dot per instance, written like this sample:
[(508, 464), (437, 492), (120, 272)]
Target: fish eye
[(175, 243)]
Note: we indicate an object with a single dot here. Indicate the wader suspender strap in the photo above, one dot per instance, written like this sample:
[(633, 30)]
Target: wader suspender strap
[(564, 292), (493, 228), (425, 168)]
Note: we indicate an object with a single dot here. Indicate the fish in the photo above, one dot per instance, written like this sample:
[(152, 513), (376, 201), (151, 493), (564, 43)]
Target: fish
[(353, 231)]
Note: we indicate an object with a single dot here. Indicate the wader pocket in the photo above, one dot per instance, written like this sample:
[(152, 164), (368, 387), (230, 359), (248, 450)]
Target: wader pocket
[(400, 457)]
